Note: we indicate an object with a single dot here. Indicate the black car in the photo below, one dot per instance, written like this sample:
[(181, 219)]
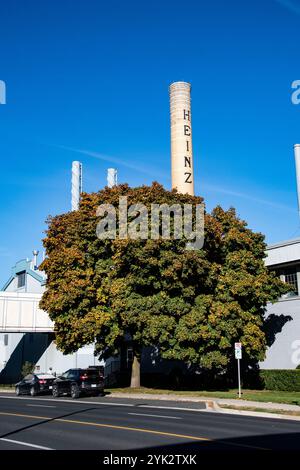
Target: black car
[(76, 382), (33, 384)]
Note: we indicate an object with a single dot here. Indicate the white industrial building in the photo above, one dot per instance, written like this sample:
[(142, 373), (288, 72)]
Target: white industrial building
[(283, 317), (26, 331)]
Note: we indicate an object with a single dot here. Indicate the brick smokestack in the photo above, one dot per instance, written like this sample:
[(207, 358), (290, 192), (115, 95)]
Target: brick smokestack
[(181, 137)]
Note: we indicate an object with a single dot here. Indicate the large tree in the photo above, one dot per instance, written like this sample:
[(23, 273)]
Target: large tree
[(192, 305)]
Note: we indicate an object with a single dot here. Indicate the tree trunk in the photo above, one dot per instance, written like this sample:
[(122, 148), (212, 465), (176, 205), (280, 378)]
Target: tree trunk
[(135, 373)]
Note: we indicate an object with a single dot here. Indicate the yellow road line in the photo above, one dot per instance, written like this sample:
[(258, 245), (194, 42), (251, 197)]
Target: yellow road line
[(24, 416), (112, 426), (124, 428)]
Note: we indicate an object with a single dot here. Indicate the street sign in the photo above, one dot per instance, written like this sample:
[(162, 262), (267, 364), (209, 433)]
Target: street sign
[(238, 350), (238, 356)]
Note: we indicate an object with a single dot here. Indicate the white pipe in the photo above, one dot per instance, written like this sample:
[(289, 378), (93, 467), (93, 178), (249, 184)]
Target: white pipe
[(76, 184), (112, 177), (35, 256), (297, 163)]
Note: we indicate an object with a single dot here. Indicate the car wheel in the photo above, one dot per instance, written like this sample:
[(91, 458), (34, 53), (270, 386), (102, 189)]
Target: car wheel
[(18, 393), (55, 392), (75, 391), (32, 391)]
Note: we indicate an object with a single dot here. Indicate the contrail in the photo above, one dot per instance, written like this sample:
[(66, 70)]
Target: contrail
[(290, 5), (117, 161), (250, 198)]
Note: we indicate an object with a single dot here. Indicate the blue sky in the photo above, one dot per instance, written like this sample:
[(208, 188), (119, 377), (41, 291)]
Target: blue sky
[(93, 76)]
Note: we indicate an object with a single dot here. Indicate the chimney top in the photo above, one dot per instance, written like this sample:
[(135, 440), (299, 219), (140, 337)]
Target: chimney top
[(35, 255)]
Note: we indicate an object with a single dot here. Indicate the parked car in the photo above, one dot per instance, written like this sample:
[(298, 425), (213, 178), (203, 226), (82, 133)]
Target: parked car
[(76, 382), (33, 384)]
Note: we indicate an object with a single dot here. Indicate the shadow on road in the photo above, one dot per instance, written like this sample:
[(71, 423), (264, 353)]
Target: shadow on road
[(44, 421), (256, 443)]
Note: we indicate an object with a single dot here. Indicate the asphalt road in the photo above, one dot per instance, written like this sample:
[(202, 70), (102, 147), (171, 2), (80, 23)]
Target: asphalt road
[(42, 423)]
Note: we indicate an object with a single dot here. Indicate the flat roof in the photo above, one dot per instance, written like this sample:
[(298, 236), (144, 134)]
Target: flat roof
[(294, 241), (283, 252)]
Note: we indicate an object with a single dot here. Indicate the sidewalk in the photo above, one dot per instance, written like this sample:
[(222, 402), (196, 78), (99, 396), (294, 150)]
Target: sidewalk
[(257, 404)]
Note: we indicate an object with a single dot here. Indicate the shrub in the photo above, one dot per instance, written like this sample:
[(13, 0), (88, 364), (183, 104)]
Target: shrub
[(286, 380), (27, 368)]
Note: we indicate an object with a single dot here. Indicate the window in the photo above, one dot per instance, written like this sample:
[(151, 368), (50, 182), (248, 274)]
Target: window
[(66, 374), (21, 279), (290, 277), (5, 340), (73, 374)]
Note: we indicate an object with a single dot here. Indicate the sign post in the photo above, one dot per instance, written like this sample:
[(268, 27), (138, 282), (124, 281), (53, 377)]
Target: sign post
[(238, 356)]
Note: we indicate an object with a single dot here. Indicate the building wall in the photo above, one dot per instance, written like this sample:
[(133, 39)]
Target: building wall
[(21, 348), (33, 286), (282, 253), (283, 317), (13, 286), (39, 349), (283, 335), (59, 362), (8, 343)]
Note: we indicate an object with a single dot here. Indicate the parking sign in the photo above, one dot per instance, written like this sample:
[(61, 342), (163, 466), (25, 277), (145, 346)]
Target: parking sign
[(238, 350)]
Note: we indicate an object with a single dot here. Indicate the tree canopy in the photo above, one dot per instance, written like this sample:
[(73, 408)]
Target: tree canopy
[(192, 305)]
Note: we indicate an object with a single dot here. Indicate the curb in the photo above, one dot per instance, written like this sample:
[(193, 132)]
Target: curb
[(211, 405), (258, 414), (150, 396)]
